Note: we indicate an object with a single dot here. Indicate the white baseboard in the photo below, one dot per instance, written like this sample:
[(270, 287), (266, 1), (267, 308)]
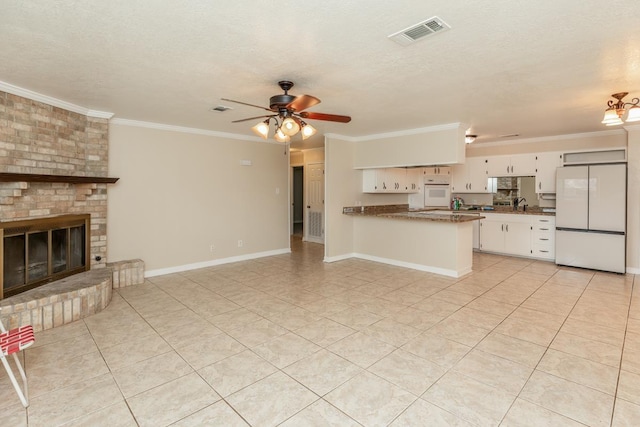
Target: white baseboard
[(420, 267), (214, 262), (339, 257), (632, 270)]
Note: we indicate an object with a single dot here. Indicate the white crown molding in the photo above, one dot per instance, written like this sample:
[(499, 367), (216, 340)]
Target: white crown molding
[(548, 138), (436, 128), (183, 129), (35, 96)]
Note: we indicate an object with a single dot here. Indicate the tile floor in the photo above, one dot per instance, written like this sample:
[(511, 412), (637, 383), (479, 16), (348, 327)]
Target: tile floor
[(289, 340)]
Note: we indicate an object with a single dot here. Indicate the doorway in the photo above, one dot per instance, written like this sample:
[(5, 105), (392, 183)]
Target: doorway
[(297, 201)]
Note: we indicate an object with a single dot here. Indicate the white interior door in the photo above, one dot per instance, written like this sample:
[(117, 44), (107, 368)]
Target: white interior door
[(607, 197), (314, 231), (572, 197)]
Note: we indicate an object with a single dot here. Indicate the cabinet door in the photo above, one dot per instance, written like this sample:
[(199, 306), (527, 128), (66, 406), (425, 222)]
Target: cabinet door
[(377, 181), (491, 235), (499, 166), (546, 165), (478, 178), (390, 180), (370, 181), (517, 238), (414, 180), (459, 179), (523, 165)]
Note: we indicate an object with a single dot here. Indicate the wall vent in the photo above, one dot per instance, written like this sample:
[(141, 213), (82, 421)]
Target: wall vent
[(419, 31)]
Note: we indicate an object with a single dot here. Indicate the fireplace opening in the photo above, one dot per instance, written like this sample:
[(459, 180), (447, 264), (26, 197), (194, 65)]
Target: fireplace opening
[(38, 251)]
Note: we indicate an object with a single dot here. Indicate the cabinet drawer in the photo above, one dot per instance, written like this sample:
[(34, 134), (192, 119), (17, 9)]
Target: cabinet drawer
[(542, 237), (543, 251)]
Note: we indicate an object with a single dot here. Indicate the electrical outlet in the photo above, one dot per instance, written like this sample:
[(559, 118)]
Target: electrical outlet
[(240, 243), (277, 190), (212, 247)]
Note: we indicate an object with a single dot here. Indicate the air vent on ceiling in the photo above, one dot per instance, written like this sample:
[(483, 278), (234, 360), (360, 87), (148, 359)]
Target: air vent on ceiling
[(419, 31), (221, 108)]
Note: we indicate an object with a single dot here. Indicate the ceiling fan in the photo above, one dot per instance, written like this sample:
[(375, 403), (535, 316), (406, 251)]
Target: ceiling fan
[(288, 114)]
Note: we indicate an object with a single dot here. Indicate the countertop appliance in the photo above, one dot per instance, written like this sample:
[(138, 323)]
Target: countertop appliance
[(591, 216)]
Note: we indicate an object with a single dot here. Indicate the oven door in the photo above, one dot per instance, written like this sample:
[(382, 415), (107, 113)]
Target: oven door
[(437, 195)]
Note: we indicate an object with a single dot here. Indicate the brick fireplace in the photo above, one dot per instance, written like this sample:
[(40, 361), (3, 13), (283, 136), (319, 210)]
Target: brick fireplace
[(47, 142)]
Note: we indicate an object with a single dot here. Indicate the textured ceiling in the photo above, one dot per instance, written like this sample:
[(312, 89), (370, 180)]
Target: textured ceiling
[(535, 68)]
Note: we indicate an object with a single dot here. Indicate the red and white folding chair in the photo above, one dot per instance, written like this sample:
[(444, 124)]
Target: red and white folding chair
[(12, 342)]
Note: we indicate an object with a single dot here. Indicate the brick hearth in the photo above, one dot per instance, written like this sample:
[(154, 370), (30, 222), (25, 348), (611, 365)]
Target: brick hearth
[(70, 299)]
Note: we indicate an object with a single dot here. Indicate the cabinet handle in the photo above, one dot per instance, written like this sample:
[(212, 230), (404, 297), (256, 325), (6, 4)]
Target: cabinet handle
[(546, 252), (544, 229), (539, 186), (543, 220), (507, 227), (507, 169), (502, 227), (469, 186)]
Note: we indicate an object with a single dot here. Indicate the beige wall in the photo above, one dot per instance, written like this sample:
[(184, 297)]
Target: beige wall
[(633, 199), (591, 141), (180, 193), (432, 146)]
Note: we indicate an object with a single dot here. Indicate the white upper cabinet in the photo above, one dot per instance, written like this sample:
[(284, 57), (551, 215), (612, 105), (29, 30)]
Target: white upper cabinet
[(414, 182), (515, 165), (390, 180), (470, 177), (437, 170), (546, 165)]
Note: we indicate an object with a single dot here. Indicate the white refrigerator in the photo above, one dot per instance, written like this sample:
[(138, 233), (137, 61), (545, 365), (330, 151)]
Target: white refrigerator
[(591, 216)]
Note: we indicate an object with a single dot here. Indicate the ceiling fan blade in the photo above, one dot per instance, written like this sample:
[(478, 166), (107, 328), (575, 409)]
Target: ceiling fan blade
[(322, 116), (244, 103), (252, 118), (303, 102)]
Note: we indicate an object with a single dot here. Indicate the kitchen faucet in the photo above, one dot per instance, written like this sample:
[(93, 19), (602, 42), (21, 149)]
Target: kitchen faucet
[(517, 202)]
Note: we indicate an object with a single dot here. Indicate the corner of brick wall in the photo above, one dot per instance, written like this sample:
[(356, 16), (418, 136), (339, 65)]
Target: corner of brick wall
[(127, 273)]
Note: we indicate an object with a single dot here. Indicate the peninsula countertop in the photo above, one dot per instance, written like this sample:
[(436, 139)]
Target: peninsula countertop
[(403, 212), (436, 214)]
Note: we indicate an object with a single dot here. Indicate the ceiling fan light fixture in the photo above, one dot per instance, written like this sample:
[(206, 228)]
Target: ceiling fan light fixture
[(290, 127), (468, 139), (261, 129), (308, 130), (281, 136)]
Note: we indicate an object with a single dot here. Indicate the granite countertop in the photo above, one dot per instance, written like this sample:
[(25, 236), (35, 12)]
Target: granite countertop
[(435, 214), (403, 212)]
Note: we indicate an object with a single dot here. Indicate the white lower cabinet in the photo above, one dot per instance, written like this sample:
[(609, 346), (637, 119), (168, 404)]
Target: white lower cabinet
[(518, 234), (543, 237)]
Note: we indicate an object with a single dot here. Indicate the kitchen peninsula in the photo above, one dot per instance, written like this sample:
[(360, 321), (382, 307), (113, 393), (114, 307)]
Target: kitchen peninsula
[(436, 241)]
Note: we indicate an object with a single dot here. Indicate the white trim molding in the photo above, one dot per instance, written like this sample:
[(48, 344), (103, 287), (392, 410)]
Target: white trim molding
[(436, 128), (183, 129), (212, 263), (413, 266), (35, 96)]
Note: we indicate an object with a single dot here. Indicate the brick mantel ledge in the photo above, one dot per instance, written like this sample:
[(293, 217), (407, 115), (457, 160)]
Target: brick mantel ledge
[(31, 177)]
